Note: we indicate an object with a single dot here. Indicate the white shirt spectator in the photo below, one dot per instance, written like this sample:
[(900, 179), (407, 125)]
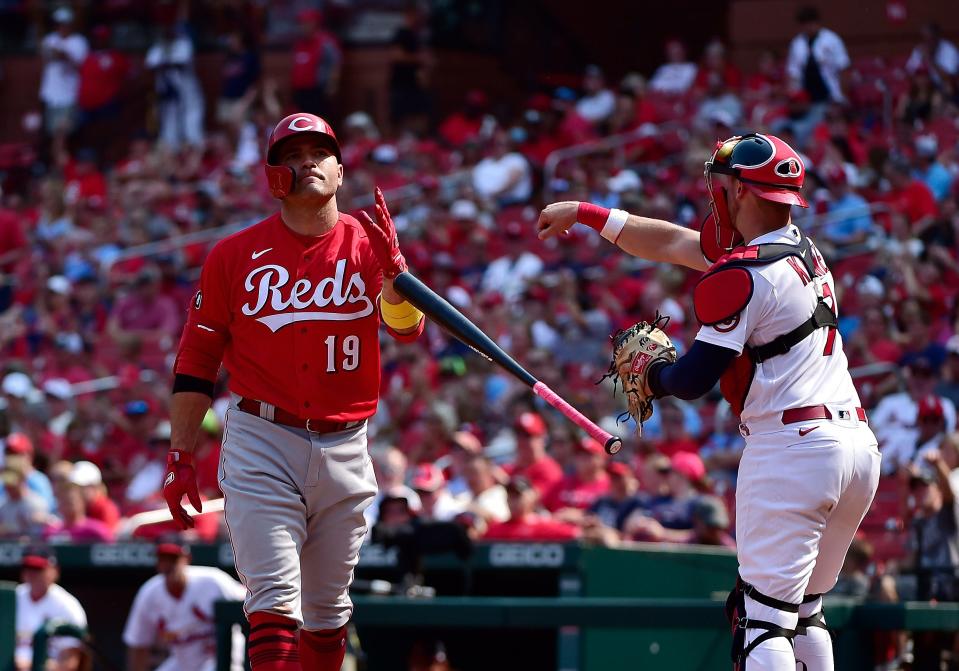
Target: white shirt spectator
[(828, 50), (185, 624), (946, 58), (61, 78), (492, 177), (597, 107), (179, 97), (508, 276), (56, 604), (491, 503), (894, 423), (675, 78)]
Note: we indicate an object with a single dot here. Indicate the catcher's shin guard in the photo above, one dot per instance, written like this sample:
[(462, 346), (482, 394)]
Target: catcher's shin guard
[(740, 623)]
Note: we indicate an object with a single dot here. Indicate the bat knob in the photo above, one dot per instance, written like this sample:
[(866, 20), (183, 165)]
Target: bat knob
[(614, 445)]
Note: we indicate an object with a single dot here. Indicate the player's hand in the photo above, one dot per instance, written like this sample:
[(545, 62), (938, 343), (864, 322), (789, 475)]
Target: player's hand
[(383, 239), (557, 218), (180, 479)]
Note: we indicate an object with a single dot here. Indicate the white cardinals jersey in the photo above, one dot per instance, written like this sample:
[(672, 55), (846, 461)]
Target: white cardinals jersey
[(184, 625), (815, 371), (56, 604)]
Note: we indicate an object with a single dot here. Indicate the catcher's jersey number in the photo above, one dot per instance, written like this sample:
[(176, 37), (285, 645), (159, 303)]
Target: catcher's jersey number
[(349, 347)]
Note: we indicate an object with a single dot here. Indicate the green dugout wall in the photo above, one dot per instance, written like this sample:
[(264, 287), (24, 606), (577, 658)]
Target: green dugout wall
[(512, 606)]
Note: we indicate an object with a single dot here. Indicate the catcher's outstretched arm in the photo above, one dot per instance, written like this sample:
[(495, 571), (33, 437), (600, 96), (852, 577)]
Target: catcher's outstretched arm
[(693, 374), (652, 239)]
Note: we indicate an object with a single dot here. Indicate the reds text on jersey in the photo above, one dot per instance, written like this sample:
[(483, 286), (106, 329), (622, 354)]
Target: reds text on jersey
[(293, 318), (815, 370)]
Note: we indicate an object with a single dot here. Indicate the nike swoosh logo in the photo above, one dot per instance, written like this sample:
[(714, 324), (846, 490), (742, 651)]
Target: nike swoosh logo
[(803, 432), (257, 255), (205, 328)]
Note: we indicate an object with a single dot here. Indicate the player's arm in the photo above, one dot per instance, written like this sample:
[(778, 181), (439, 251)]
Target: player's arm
[(404, 322), (138, 659), (693, 374), (646, 238), (139, 633), (197, 365)]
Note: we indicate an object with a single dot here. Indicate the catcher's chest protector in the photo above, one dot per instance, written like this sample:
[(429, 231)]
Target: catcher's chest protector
[(725, 290)]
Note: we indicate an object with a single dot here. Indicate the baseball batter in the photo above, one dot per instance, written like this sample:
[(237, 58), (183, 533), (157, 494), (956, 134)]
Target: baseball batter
[(768, 313), (175, 609), (292, 306)]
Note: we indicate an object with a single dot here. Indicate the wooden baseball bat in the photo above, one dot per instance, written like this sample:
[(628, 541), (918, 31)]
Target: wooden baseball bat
[(456, 323)]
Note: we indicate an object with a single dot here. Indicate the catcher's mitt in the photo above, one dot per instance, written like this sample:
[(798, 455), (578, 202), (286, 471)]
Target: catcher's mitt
[(635, 351)]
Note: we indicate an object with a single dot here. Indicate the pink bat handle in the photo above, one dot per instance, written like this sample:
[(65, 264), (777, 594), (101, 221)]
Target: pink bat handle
[(612, 443)]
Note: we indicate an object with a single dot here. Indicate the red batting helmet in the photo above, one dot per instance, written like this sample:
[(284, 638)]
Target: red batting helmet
[(281, 178), (766, 165)]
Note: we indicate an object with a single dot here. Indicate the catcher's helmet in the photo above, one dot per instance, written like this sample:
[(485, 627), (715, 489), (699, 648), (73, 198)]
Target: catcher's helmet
[(281, 178), (765, 165)]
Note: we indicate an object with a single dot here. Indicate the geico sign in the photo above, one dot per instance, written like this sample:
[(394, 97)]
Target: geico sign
[(377, 555), (134, 554), (510, 554), (10, 554)]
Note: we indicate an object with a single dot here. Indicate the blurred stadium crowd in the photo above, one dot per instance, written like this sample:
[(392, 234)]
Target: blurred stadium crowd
[(101, 240)]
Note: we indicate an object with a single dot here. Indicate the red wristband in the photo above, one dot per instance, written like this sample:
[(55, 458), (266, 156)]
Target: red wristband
[(179, 457), (593, 216)]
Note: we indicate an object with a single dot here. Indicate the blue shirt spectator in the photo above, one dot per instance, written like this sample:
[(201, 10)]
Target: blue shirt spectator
[(848, 220), (930, 171)]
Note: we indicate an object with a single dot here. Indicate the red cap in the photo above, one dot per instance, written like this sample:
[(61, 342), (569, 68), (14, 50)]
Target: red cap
[(427, 478), (531, 424), (619, 468), (930, 406), (37, 558), (171, 549), (590, 446), (689, 465), (18, 443)]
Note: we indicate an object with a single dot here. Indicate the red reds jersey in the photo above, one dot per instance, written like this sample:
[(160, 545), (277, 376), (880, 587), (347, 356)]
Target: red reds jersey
[(293, 318)]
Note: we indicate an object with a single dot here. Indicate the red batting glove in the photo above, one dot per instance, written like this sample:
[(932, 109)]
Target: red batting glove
[(383, 240), (180, 479)]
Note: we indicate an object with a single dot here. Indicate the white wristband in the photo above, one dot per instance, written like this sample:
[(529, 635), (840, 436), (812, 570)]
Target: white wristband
[(614, 225)]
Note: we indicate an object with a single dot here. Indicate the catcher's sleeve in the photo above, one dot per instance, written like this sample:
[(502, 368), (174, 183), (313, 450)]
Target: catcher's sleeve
[(693, 374)]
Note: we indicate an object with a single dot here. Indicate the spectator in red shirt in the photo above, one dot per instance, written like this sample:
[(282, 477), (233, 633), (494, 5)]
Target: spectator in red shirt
[(524, 523), (145, 316), (910, 196), (317, 60), (102, 75), (460, 127), (714, 63), (99, 506), (532, 462), (588, 482), (674, 436)]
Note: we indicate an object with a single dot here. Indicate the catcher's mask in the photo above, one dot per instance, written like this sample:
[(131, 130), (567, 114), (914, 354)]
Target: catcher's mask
[(766, 165), (282, 178)]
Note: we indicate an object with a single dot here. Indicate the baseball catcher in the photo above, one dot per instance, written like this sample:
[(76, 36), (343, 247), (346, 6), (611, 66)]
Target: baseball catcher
[(768, 311)]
